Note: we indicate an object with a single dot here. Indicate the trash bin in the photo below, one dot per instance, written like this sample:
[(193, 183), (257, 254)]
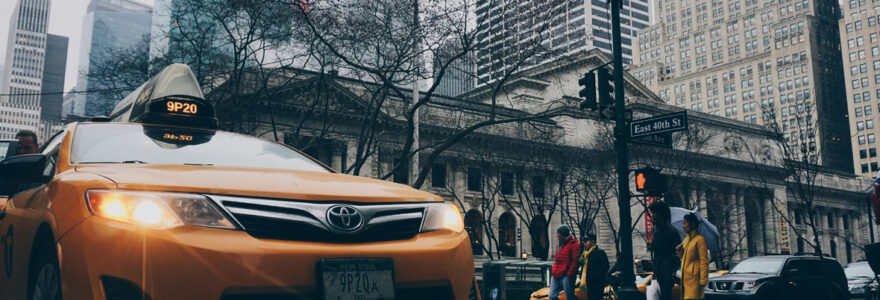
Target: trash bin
[(493, 281)]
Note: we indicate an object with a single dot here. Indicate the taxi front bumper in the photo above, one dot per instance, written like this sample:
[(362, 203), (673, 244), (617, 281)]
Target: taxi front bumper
[(205, 263)]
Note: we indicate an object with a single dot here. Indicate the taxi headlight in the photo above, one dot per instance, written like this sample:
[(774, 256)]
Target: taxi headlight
[(443, 216), (156, 210)]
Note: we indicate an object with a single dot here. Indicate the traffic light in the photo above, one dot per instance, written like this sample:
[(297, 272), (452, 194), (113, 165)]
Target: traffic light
[(650, 181), (606, 88), (588, 92)]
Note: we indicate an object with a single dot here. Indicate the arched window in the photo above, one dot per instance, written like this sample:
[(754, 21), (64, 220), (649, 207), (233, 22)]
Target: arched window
[(833, 249), (473, 223), (507, 235), (540, 239)]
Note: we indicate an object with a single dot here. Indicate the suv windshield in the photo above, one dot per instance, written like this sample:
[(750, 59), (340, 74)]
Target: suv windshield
[(135, 143), (858, 270), (759, 266)]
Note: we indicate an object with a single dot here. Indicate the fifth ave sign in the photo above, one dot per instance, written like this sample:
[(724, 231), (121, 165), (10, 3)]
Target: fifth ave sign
[(665, 123)]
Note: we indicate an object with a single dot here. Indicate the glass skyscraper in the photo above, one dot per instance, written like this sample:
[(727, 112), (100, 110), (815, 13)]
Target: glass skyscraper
[(109, 26)]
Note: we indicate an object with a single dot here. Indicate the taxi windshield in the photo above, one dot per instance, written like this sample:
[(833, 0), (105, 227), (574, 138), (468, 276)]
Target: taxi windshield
[(136, 143)]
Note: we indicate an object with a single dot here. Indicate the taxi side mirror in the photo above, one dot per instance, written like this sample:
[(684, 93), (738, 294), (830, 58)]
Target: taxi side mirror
[(26, 169)]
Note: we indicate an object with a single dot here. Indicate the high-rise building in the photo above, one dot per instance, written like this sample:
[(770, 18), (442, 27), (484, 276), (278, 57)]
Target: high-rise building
[(53, 78), (860, 46), (765, 62), (23, 76), (109, 27), (563, 27)]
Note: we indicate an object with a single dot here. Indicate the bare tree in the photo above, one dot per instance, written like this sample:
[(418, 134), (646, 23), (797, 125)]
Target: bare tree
[(386, 42), (790, 147)]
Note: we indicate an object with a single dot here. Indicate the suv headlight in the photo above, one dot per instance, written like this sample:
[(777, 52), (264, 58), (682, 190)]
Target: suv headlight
[(440, 216), (156, 210), (750, 285)]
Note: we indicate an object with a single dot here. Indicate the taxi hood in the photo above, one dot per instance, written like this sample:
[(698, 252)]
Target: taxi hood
[(264, 183)]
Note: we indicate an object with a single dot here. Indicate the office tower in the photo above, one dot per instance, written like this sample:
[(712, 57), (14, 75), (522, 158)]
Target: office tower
[(765, 62), (53, 78), (860, 46), (505, 27), (109, 27), (25, 52), (23, 76)]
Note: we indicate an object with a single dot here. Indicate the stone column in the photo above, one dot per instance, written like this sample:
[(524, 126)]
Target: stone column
[(702, 205), (739, 222), (336, 158)]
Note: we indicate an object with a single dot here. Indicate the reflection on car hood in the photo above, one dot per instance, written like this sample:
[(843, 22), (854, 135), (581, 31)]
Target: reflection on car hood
[(267, 183)]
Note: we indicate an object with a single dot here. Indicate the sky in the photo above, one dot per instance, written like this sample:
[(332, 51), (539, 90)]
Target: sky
[(65, 18)]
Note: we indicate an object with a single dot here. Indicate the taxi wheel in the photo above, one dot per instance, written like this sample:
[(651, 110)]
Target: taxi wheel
[(45, 280)]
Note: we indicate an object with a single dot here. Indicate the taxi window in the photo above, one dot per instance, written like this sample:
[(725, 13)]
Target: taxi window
[(135, 143), (4, 149)]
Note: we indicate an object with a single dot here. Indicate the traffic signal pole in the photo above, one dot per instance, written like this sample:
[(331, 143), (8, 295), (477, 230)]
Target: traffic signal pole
[(628, 290)]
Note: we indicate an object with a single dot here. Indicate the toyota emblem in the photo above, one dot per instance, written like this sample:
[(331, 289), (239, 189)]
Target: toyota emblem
[(344, 217)]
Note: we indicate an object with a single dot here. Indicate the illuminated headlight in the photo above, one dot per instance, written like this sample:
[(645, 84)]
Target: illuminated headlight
[(443, 216), (156, 210)]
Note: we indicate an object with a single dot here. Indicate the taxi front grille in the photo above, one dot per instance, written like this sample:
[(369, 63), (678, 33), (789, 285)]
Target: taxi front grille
[(307, 221)]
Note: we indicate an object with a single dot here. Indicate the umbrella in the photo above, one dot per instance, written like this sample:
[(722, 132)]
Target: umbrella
[(707, 230)]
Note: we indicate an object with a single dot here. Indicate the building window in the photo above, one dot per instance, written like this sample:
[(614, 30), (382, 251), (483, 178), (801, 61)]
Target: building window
[(845, 222), (438, 175), (864, 168), (473, 224), (507, 234), (874, 167), (538, 187), (474, 179), (833, 246), (507, 183), (871, 138), (848, 252), (863, 154), (830, 220), (872, 152)]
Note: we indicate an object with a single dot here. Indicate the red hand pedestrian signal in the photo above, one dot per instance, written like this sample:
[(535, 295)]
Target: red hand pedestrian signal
[(640, 181)]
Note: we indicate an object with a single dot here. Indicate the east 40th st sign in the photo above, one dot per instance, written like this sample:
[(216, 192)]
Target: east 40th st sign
[(659, 124)]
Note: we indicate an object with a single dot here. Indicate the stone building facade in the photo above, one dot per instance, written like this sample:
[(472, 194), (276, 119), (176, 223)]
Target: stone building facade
[(861, 64), (515, 182), (761, 62)]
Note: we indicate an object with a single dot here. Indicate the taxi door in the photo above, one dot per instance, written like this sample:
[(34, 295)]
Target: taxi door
[(18, 226)]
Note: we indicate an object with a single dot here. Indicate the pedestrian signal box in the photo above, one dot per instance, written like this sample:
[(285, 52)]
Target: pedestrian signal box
[(650, 181)]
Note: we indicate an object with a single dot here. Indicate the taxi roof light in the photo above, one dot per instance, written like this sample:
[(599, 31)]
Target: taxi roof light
[(172, 97)]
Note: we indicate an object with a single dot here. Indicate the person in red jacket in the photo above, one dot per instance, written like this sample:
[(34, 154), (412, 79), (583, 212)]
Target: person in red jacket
[(565, 264)]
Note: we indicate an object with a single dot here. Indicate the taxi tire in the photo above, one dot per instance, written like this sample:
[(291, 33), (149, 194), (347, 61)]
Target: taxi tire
[(44, 260)]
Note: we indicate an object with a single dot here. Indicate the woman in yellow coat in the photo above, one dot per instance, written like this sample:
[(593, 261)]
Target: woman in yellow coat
[(694, 256)]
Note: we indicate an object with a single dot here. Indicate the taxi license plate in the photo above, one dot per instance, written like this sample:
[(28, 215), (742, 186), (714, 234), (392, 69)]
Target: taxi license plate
[(360, 279)]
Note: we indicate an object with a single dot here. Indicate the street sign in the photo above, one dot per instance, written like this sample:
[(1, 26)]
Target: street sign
[(663, 139), (665, 123)]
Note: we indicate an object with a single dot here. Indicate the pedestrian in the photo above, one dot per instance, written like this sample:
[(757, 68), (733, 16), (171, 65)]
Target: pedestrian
[(694, 255), (663, 253), (564, 264), (595, 267), (27, 142)]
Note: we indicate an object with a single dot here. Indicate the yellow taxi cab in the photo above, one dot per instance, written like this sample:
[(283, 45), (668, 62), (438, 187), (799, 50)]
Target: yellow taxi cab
[(158, 204)]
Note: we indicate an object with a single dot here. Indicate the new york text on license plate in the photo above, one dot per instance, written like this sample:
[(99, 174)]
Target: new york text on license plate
[(359, 279)]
